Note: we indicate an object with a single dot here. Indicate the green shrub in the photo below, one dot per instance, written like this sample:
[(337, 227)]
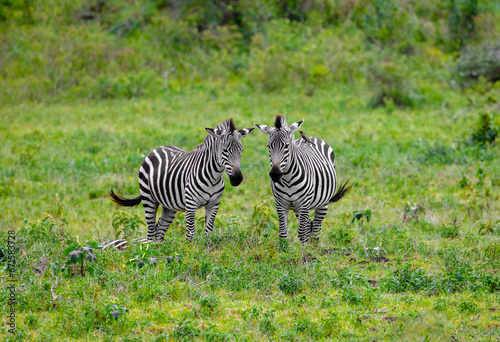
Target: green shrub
[(185, 330), (126, 87), (342, 236), (345, 277), (486, 131), (407, 279), (468, 307), (126, 225), (48, 232), (269, 69), (266, 323), (353, 297), (461, 20), (17, 10), (439, 154), (290, 284), (386, 24), (209, 302), (115, 311), (307, 327), (478, 61), (450, 232), (394, 85)]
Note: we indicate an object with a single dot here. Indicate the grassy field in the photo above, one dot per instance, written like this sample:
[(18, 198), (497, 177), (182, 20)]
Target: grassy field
[(411, 254)]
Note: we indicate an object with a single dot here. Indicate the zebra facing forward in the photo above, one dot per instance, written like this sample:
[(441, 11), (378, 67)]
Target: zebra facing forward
[(187, 180), (303, 177)]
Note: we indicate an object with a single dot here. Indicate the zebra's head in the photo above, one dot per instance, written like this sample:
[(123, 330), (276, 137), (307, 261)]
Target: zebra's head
[(228, 139), (280, 139)]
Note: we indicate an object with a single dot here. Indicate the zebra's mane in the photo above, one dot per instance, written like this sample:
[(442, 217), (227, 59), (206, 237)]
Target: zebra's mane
[(280, 121), (227, 125)]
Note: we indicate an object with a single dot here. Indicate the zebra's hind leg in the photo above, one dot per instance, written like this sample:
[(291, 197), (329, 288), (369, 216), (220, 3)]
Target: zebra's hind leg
[(166, 218), (210, 213), (319, 216), (150, 209)]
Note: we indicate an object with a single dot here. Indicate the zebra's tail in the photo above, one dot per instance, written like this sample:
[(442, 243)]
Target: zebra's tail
[(341, 191), (126, 202)]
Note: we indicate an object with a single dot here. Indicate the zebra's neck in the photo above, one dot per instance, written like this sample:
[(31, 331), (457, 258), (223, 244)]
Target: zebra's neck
[(212, 152), (292, 157)]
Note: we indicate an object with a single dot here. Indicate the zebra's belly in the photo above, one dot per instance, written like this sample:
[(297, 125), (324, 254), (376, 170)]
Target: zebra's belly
[(208, 196), (176, 203), (169, 192), (310, 197)]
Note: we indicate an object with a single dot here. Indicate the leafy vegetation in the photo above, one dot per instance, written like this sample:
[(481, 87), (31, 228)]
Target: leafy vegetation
[(404, 91)]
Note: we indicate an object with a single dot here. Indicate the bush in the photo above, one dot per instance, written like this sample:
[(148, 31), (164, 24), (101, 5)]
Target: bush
[(461, 20), (486, 131), (479, 61), (209, 302), (290, 284), (450, 232), (353, 297), (48, 232), (386, 24), (185, 330), (266, 323), (407, 279), (394, 85), (269, 69), (438, 154), (468, 307), (307, 327), (126, 225)]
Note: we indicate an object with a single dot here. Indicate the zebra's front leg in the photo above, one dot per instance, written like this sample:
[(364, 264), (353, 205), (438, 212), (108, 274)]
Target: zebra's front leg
[(319, 216), (283, 220), (166, 218), (190, 229), (304, 225), (210, 213)]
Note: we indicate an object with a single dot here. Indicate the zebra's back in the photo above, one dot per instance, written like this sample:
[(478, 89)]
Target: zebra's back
[(162, 177)]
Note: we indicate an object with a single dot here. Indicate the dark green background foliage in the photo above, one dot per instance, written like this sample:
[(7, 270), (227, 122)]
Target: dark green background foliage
[(406, 92)]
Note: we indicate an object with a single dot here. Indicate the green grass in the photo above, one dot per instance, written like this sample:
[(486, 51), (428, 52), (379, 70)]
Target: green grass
[(83, 102), (242, 283)]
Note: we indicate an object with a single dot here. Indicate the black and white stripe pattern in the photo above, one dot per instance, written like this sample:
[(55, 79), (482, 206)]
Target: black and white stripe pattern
[(303, 177), (181, 180)]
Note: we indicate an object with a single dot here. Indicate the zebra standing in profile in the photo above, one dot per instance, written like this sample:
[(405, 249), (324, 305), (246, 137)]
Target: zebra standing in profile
[(303, 177), (187, 180)]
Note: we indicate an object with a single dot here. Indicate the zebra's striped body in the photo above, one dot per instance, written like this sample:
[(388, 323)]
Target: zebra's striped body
[(303, 177), (181, 180)]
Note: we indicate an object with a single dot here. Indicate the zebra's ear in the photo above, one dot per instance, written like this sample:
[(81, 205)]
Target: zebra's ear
[(244, 132), (295, 126), (215, 132), (264, 128)]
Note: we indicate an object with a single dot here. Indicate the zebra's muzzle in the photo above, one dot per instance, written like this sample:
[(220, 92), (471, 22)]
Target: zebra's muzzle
[(276, 174), (236, 178)]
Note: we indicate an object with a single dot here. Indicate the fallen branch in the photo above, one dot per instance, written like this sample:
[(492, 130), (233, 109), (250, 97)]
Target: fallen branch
[(180, 275), (56, 298), (385, 310), (207, 279)]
